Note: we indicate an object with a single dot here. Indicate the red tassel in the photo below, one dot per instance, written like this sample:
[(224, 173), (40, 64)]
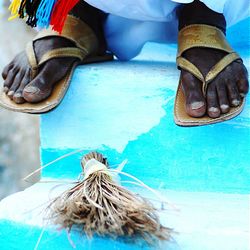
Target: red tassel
[(60, 12)]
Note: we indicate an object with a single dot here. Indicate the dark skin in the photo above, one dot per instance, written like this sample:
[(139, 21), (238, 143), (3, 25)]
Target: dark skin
[(225, 91), (17, 84)]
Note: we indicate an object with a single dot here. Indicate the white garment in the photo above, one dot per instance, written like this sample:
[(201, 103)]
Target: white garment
[(131, 23)]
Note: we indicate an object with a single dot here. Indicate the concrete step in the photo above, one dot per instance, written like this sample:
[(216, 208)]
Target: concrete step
[(125, 110)]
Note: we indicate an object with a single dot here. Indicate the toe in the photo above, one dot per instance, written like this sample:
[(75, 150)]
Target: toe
[(18, 96), (213, 109), (6, 70), (243, 86), (41, 86), (195, 102), (34, 94), (233, 94), (222, 96), (241, 78), (9, 80), (15, 84)]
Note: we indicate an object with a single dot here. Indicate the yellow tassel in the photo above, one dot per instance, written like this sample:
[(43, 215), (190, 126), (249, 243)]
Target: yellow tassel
[(14, 7)]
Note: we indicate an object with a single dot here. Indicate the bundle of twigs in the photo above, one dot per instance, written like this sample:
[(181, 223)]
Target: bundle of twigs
[(100, 205)]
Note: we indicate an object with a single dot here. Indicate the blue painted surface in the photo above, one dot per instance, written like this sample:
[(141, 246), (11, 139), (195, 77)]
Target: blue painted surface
[(52, 239), (104, 97), (125, 110)]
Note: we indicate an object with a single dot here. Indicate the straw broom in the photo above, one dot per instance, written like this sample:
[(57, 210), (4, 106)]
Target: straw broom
[(99, 205)]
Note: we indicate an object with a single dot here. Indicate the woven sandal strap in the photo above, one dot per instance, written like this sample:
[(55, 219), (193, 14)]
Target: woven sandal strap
[(190, 67), (76, 31), (63, 52), (204, 36), (218, 67)]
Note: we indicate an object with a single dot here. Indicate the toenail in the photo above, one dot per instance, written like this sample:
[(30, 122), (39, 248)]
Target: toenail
[(197, 105), (18, 95), (235, 102), (11, 93), (31, 89), (213, 110), (5, 89), (242, 95), (224, 106)]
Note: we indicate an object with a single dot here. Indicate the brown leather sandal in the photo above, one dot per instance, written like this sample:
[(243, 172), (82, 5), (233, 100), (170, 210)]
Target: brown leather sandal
[(205, 36), (85, 51)]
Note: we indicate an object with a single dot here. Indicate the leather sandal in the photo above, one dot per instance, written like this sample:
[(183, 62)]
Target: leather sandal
[(202, 36), (85, 51)]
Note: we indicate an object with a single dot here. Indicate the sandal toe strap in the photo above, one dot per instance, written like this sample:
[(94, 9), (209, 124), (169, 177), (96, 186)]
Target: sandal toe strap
[(30, 53), (51, 54), (183, 63), (221, 65), (63, 52)]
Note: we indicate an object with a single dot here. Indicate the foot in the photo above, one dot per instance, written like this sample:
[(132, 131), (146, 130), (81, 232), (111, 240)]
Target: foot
[(17, 83), (225, 91)]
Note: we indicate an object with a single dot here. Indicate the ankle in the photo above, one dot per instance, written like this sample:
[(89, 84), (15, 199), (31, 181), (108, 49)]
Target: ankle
[(198, 13), (94, 18)]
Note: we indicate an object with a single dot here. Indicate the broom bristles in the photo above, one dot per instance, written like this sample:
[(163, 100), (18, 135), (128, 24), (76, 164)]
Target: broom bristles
[(100, 206)]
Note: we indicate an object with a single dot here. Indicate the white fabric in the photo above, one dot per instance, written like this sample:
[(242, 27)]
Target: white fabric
[(149, 10), (132, 23), (215, 5)]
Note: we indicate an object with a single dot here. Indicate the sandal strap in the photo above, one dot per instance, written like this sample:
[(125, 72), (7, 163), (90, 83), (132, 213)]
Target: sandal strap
[(200, 35), (30, 53), (203, 36), (51, 54), (221, 65), (77, 32), (190, 67), (74, 30), (63, 52)]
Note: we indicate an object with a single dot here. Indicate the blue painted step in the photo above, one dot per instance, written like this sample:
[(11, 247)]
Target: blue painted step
[(125, 110)]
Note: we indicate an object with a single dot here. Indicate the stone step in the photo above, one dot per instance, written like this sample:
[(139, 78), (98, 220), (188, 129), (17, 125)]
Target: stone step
[(125, 110)]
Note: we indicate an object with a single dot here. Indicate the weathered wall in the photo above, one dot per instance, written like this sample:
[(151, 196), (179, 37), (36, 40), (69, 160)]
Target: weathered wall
[(19, 134)]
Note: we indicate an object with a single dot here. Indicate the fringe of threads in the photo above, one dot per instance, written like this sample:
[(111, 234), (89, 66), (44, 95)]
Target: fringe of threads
[(60, 12), (31, 9), (42, 13), (13, 8), (21, 10)]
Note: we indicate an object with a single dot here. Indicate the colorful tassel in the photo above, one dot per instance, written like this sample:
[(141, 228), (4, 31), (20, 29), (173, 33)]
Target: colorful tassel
[(14, 8), (31, 9), (43, 13), (60, 12), (22, 9)]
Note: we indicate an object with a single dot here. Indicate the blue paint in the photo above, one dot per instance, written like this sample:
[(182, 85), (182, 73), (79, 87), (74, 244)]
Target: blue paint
[(210, 158), (51, 239), (125, 111)]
